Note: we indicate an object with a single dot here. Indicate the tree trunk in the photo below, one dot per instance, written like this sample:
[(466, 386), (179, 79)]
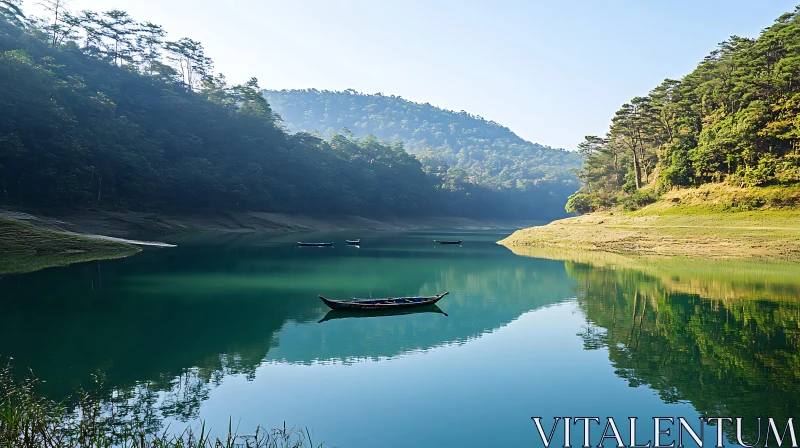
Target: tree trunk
[(637, 168)]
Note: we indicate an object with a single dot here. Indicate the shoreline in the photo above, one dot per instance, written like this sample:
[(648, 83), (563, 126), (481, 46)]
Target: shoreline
[(26, 247), (131, 225), (34, 242), (768, 235)]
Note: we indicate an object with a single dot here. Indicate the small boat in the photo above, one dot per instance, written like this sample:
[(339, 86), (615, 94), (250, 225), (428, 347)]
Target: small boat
[(447, 242), (347, 314), (381, 304), (354, 242), (314, 244)]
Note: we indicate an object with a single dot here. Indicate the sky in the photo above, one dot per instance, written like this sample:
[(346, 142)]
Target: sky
[(552, 71)]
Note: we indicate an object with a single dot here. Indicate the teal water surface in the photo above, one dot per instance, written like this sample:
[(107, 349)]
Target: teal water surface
[(228, 326)]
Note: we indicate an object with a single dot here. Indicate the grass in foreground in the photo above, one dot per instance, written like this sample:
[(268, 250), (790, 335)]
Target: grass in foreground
[(25, 247), (31, 421)]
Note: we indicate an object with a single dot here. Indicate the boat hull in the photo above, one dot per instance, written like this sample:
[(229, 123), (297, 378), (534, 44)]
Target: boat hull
[(381, 304), (314, 244)]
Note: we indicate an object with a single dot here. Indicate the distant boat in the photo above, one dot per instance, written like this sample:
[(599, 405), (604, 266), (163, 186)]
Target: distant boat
[(381, 304), (447, 242), (347, 314), (358, 241), (314, 244)]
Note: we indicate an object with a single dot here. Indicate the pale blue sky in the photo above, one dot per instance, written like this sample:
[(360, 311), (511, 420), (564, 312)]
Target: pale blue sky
[(552, 71)]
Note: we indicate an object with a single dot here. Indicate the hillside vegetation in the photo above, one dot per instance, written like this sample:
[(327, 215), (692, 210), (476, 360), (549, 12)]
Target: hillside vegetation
[(462, 150), (98, 110), (735, 120)]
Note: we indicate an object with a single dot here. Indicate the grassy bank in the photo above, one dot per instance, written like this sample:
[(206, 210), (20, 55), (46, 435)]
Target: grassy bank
[(714, 222), (25, 247)]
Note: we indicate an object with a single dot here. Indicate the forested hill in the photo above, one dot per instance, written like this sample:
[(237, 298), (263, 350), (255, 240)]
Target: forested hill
[(100, 110), (735, 120), (472, 148)]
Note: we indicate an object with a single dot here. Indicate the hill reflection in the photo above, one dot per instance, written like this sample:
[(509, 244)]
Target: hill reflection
[(176, 321), (727, 354)]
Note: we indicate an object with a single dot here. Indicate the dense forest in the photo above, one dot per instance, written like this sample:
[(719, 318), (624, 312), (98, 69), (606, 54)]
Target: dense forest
[(101, 110), (457, 147), (734, 119)]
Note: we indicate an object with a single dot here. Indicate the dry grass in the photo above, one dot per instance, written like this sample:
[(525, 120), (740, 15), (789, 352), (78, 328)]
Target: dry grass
[(687, 223)]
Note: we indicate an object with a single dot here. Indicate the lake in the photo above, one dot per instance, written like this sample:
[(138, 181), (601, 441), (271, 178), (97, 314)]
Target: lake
[(228, 327)]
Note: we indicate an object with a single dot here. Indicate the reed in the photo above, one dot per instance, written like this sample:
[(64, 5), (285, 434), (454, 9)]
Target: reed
[(28, 420)]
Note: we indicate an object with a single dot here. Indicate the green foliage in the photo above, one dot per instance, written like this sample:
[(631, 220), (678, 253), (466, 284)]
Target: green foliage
[(734, 118), (758, 175), (788, 170), (639, 199), (679, 171), (630, 184), (579, 203), (462, 150)]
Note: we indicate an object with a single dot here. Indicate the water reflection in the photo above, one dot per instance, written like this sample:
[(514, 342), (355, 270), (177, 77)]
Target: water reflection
[(177, 321), (173, 329), (355, 314), (726, 354)]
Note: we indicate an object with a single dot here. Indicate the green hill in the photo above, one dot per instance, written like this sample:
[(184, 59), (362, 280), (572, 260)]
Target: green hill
[(734, 119), (457, 147), (98, 110)]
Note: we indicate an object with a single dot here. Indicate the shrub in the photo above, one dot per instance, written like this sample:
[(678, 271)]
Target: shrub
[(639, 200), (788, 170), (580, 203)]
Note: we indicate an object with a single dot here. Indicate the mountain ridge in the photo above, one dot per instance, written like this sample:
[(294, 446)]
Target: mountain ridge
[(489, 153)]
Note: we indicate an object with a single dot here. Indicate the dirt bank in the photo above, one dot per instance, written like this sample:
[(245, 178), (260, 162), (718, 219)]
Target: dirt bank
[(135, 224)]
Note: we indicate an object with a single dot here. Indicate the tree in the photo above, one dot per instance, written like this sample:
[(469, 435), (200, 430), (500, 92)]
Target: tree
[(190, 61), (251, 100), (627, 129), (11, 11), (57, 27), (150, 43), (118, 29)]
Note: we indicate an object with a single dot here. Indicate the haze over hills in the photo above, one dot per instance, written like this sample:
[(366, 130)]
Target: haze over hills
[(457, 146), (135, 122)]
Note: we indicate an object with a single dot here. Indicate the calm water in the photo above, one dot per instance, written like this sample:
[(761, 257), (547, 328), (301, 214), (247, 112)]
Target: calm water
[(227, 326)]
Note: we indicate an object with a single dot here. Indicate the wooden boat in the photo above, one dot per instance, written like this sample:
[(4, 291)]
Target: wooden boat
[(314, 244), (354, 314), (358, 241), (381, 304), (447, 242)]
